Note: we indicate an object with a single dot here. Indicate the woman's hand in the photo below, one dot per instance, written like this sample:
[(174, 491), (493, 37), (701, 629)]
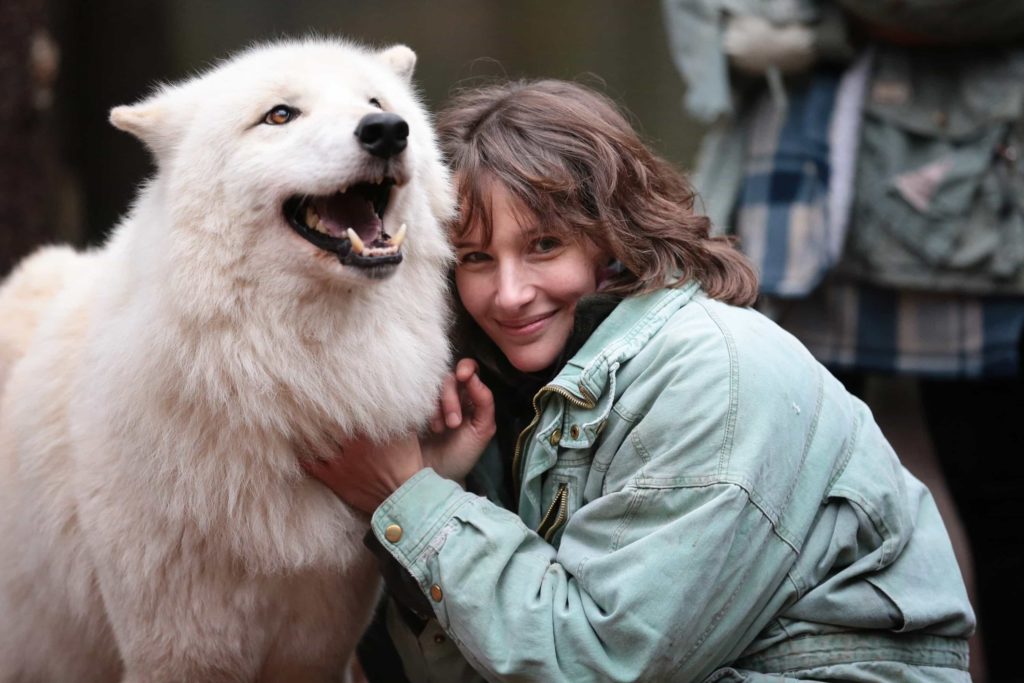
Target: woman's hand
[(463, 424), (363, 473)]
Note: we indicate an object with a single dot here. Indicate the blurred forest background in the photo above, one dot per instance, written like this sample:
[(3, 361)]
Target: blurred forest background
[(67, 175)]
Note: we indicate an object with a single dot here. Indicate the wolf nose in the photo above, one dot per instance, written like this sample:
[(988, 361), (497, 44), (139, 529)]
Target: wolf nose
[(383, 134)]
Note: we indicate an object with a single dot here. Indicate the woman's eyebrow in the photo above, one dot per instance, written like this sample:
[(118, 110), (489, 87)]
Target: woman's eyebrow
[(533, 230)]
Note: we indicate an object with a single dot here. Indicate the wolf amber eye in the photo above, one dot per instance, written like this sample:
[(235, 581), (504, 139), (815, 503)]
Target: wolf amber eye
[(280, 115)]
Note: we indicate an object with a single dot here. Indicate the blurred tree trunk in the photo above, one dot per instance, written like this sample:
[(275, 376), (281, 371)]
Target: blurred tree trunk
[(28, 151), (116, 51)]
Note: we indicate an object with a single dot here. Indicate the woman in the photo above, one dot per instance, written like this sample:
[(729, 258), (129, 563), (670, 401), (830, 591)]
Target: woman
[(676, 490)]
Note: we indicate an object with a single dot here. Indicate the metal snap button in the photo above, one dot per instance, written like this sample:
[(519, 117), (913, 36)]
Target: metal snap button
[(393, 533), (435, 593)]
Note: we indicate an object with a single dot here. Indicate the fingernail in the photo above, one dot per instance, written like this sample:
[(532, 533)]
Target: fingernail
[(452, 419)]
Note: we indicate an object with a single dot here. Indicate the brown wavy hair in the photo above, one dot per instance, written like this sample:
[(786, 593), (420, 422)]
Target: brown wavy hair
[(568, 155)]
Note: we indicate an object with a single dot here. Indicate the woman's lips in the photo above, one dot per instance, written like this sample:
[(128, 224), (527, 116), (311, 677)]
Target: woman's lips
[(526, 326)]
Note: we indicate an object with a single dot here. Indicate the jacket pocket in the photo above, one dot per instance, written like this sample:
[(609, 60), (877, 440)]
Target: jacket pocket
[(939, 182)]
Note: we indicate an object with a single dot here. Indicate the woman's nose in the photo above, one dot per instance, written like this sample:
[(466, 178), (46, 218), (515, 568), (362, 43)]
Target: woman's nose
[(514, 289)]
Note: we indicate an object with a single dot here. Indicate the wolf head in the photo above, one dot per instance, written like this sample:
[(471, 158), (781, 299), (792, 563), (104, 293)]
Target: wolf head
[(262, 270), (309, 158)]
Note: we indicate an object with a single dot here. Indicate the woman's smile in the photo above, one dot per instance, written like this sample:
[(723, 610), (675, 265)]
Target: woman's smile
[(521, 286), (525, 326)]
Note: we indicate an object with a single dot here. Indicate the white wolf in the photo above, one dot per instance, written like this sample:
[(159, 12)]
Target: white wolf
[(258, 300)]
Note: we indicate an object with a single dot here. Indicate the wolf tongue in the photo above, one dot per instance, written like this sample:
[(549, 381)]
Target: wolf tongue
[(344, 210)]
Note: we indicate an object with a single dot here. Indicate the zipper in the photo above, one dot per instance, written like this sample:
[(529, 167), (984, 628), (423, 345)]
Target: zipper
[(587, 402), (555, 517)]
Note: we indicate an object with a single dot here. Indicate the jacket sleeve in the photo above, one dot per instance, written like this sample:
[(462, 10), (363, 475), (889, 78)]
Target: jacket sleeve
[(662, 579)]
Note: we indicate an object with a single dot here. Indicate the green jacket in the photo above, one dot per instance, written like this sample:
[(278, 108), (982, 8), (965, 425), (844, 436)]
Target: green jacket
[(939, 187), (696, 492)]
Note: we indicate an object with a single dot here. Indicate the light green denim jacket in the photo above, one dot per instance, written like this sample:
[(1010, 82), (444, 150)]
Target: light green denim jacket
[(699, 500)]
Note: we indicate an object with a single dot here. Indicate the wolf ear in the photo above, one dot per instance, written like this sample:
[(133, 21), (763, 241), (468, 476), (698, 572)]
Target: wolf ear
[(399, 59), (149, 121)]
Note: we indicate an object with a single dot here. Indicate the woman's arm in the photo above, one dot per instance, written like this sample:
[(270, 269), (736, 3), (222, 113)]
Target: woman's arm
[(646, 585), (656, 580)]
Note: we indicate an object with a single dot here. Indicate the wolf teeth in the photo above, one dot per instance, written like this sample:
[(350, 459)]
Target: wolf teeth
[(399, 237), (313, 218), (357, 244)]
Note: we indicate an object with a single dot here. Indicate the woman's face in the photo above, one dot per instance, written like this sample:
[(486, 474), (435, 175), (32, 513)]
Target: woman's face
[(522, 288)]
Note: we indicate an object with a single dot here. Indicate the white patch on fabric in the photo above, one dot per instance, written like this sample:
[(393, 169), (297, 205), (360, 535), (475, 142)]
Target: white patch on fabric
[(918, 187), (890, 92), (437, 542)]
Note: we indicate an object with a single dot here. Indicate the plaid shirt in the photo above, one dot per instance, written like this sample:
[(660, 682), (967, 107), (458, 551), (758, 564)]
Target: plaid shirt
[(782, 214), (783, 221), (853, 326)]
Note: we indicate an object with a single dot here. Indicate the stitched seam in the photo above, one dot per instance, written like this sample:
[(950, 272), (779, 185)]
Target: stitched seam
[(638, 444), (779, 622), (807, 448), (797, 587), (725, 450), (747, 487), (844, 461), (833, 653), (625, 413), (711, 626), (631, 508), (881, 528), (641, 327)]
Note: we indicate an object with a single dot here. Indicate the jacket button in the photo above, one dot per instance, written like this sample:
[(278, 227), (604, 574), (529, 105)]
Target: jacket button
[(574, 431), (435, 593), (393, 533), (439, 639), (555, 437)]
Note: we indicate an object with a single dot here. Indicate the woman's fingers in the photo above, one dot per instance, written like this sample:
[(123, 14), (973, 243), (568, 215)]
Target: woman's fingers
[(461, 390), (483, 405), (466, 368), (437, 419), (478, 393), (451, 406)]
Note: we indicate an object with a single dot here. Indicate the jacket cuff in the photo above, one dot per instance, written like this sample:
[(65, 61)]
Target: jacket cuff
[(412, 517), (404, 589)]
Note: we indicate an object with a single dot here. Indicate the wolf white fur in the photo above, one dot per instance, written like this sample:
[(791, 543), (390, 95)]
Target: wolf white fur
[(157, 392)]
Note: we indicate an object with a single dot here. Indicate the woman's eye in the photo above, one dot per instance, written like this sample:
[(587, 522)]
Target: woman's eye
[(375, 102), (280, 115), (546, 244), (472, 257)]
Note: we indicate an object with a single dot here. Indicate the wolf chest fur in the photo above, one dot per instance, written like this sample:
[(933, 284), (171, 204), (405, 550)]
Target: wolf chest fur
[(278, 284)]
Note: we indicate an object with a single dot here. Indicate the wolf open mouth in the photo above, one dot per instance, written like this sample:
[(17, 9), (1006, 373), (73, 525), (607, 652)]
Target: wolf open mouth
[(350, 224)]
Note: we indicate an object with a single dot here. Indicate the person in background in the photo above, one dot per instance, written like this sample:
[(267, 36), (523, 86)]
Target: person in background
[(646, 479), (867, 155)]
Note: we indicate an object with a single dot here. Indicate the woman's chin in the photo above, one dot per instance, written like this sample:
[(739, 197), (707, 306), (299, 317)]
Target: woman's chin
[(538, 351), (530, 360)]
